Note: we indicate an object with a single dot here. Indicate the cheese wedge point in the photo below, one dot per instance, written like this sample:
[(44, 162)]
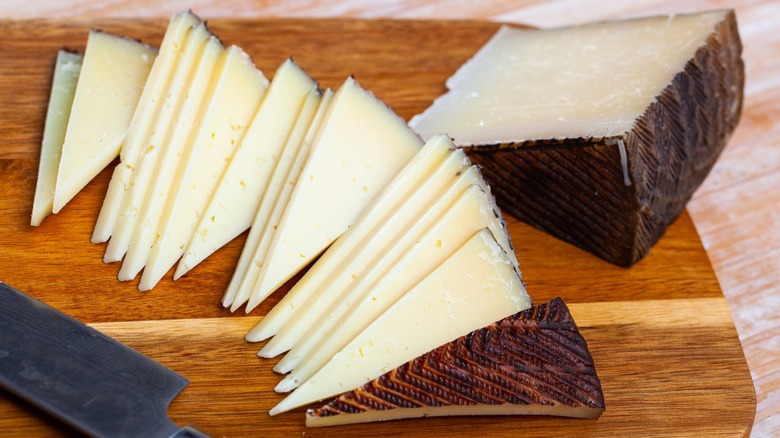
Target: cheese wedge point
[(63, 89), (474, 210), (155, 143), (387, 201), (276, 185), (238, 92), (495, 370), (419, 209), (142, 119), (237, 196), (360, 148), (570, 124), (112, 77), (168, 161), (476, 286)]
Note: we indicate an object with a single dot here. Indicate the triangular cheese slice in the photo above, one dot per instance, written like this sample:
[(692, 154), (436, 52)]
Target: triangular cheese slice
[(476, 285), (63, 89), (110, 83), (535, 362)]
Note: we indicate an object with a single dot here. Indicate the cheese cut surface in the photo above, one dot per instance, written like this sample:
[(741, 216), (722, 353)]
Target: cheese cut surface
[(165, 166), (476, 286), (598, 134), (156, 143), (143, 117), (110, 83), (420, 206), (63, 89), (277, 192), (237, 196), (368, 299), (362, 145), (232, 103), (535, 362), (376, 212)]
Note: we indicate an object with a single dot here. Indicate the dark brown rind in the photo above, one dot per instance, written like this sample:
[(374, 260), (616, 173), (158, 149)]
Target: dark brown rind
[(575, 189), (535, 357)]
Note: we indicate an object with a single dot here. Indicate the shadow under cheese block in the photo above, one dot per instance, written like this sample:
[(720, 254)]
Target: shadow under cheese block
[(534, 362), (598, 134)]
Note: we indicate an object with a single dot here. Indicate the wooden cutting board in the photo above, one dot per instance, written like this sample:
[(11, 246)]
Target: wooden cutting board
[(660, 333)]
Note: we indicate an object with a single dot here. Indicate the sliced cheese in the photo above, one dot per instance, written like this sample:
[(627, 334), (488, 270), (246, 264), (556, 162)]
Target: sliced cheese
[(277, 193), (476, 286), (155, 143), (237, 196), (360, 148), (418, 207), (110, 83), (474, 210), (63, 89), (192, 108), (376, 213), (144, 115), (231, 106)]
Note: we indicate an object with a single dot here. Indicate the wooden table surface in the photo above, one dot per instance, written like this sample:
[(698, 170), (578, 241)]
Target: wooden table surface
[(735, 211)]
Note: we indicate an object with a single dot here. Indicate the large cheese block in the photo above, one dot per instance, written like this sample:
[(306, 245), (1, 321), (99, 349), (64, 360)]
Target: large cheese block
[(63, 89), (110, 83), (362, 144), (143, 118), (535, 362), (236, 93), (477, 285), (597, 134)]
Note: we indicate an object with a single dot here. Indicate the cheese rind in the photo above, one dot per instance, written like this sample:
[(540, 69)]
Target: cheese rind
[(143, 116), (237, 196), (362, 145), (476, 286), (110, 83), (63, 89)]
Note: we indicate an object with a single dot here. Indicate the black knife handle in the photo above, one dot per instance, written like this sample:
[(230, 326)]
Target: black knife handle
[(189, 432)]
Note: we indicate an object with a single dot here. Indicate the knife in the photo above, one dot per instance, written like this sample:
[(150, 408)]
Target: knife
[(86, 379)]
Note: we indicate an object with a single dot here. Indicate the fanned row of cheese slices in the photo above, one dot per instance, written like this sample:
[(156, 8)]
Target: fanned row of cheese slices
[(411, 249)]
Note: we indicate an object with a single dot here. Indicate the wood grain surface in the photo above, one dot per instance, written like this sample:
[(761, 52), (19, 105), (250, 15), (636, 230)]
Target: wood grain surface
[(660, 333)]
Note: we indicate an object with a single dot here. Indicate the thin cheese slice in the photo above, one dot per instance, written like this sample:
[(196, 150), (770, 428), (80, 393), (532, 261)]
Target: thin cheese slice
[(474, 210), (478, 285), (155, 144), (193, 105), (143, 117), (232, 104), (237, 196), (360, 148), (418, 206), (109, 86), (386, 202), (63, 89), (278, 188)]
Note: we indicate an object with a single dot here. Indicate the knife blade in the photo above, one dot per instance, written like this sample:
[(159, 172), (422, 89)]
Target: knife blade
[(85, 378)]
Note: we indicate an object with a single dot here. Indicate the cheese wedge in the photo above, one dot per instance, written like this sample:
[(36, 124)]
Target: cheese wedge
[(112, 77), (155, 143), (419, 209), (168, 159), (142, 120), (597, 134), (63, 89), (476, 286), (359, 306), (277, 192), (360, 148), (376, 212), (535, 362), (237, 92), (237, 196)]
